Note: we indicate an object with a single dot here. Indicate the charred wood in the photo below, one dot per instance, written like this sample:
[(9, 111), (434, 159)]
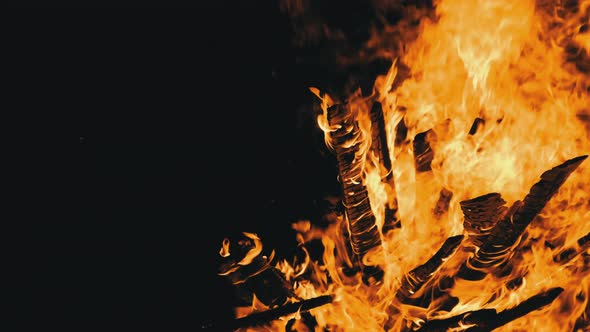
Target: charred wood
[(401, 132), (568, 254), (380, 146), (252, 272), (262, 279), (381, 150), (485, 320), (414, 281), (584, 241), (583, 322), (477, 123), (442, 204), (497, 248), (364, 234), (265, 317), (423, 153), (531, 304), (307, 319), (416, 278), (481, 215)]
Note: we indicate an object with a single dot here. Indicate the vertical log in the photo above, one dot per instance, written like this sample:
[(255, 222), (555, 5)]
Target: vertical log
[(477, 123), (364, 234), (442, 204), (380, 148), (423, 153)]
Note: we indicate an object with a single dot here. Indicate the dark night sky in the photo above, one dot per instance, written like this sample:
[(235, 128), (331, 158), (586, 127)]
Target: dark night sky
[(192, 129)]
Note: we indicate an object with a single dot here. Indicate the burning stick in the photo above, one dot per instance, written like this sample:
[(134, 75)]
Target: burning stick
[(265, 317), (250, 271), (477, 123), (571, 253), (380, 147), (416, 278), (489, 319), (584, 320), (364, 233), (419, 276), (442, 205), (481, 215), (497, 246), (423, 153)]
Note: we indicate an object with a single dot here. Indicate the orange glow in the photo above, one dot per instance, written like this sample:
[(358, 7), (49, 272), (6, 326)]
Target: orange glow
[(509, 64)]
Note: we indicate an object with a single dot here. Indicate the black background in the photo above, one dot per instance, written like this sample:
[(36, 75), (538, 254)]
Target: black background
[(194, 126)]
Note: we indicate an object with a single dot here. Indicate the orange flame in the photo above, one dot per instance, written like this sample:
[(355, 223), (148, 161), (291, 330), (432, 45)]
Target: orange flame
[(509, 64)]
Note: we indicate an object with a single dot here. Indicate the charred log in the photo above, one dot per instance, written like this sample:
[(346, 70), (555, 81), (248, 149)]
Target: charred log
[(568, 254), (489, 319), (416, 278), (423, 153), (306, 318), (265, 317), (251, 272), (442, 204), (414, 281), (481, 215), (583, 322), (381, 150), (401, 132), (477, 123), (498, 246), (364, 233)]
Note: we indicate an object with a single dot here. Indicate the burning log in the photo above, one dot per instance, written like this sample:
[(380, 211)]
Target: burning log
[(477, 123), (489, 319), (584, 320), (364, 233), (252, 272), (416, 278), (380, 148), (265, 317), (401, 132), (442, 205), (419, 276), (423, 153), (568, 254), (497, 246), (481, 215)]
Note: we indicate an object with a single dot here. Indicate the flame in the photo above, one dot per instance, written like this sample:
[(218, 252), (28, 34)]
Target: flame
[(518, 67)]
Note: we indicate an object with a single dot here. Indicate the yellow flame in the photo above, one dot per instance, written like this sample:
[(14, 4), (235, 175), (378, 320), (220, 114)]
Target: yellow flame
[(505, 62)]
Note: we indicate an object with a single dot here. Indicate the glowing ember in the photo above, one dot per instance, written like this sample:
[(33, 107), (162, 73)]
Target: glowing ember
[(477, 217)]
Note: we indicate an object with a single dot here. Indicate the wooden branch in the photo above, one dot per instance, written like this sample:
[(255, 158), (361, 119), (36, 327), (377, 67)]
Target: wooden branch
[(583, 322), (423, 153), (568, 254), (481, 215), (498, 245), (401, 132), (265, 317), (364, 233), (256, 275), (421, 275), (416, 278), (477, 123), (380, 148), (485, 320), (442, 205)]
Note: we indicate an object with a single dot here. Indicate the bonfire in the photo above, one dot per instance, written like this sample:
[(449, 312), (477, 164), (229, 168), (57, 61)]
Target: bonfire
[(465, 191)]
